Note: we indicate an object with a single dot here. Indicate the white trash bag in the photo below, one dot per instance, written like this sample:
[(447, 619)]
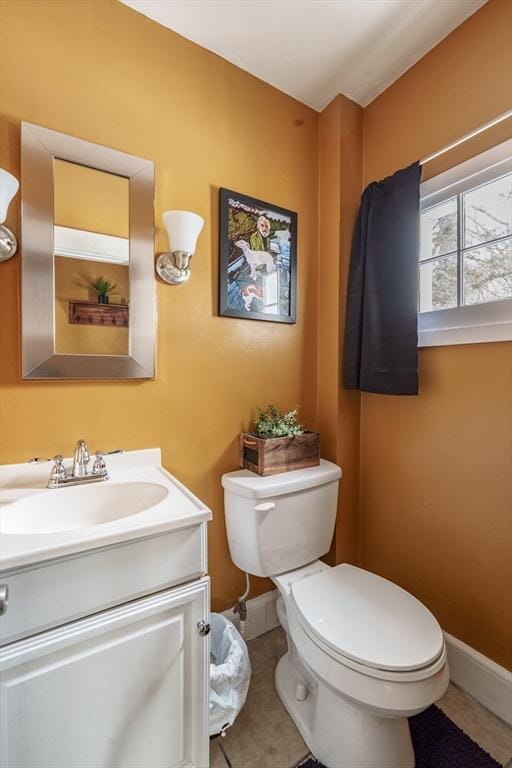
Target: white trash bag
[(230, 673)]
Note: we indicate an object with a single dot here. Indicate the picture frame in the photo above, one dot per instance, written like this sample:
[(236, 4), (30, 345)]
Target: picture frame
[(257, 259)]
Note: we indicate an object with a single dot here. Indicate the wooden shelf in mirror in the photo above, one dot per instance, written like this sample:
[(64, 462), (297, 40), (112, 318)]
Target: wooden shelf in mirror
[(93, 313)]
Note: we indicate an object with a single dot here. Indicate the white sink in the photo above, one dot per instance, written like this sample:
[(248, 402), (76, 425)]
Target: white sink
[(81, 506), (139, 499)]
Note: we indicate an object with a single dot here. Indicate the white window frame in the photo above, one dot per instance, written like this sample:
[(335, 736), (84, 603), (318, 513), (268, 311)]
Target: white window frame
[(91, 246), (474, 323)]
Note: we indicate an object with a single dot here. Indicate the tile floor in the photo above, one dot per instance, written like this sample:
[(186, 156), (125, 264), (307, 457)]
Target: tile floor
[(265, 737)]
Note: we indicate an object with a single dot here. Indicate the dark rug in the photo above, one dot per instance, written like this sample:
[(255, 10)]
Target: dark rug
[(438, 743)]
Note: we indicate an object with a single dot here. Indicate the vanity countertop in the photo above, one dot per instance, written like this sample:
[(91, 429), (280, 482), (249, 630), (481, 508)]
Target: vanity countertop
[(178, 508)]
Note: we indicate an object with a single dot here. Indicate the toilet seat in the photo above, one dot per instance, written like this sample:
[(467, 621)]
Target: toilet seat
[(387, 694), (368, 623)]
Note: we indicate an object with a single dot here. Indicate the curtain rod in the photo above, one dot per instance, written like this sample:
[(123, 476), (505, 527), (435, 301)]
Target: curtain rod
[(466, 137)]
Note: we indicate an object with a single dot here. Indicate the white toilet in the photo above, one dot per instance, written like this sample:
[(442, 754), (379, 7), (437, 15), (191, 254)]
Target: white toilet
[(363, 654)]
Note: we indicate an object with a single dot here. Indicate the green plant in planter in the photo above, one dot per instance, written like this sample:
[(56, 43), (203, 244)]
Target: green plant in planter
[(275, 423), (103, 289)]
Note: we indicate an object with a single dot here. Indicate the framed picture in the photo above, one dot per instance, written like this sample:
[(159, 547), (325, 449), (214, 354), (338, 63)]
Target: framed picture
[(258, 259)]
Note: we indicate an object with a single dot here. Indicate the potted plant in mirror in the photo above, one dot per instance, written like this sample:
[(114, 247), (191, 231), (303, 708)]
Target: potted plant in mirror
[(278, 443), (103, 288)]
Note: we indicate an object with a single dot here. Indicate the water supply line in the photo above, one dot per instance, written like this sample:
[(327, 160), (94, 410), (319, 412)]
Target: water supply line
[(241, 606)]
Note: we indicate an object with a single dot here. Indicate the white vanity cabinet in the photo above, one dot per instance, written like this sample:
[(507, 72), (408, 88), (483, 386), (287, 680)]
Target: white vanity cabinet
[(104, 646), (125, 688)]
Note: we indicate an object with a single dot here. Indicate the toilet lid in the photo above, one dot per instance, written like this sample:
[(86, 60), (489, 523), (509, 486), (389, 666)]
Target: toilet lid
[(367, 619)]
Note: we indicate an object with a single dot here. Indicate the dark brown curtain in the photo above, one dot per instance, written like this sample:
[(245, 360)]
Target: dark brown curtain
[(381, 330)]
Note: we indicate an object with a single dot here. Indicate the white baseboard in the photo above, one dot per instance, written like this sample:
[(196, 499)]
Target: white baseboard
[(261, 615), (486, 681)]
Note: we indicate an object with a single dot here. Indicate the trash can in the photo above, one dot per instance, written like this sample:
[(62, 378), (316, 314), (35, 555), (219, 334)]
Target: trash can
[(230, 673)]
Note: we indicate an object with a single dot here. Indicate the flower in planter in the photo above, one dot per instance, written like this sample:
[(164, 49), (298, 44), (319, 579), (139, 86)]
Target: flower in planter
[(103, 288), (275, 423)]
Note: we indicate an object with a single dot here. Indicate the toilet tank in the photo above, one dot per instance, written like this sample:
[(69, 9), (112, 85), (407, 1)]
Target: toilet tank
[(281, 522)]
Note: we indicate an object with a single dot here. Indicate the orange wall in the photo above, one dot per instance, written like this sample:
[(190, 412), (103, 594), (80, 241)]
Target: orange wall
[(431, 508), (131, 84), (436, 507), (340, 180)]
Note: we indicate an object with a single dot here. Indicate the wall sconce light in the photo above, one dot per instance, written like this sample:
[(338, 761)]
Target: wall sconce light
[(8, 188), (183, 229)]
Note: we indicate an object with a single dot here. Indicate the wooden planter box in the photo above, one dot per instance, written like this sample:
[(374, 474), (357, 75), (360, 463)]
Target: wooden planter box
[(279, 454)]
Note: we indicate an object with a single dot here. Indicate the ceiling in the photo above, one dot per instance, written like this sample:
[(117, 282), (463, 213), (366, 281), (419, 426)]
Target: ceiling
[(315, 49)]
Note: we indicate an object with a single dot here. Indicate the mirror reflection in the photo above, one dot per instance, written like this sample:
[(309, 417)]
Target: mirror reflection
[(91, 259)]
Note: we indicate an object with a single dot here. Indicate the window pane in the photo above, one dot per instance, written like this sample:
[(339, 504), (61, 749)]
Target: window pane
[(438, 284), (438, 229), (488, 212), (488, 273)]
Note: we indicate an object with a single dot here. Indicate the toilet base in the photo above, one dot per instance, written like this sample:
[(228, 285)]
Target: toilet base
[(339, 733)]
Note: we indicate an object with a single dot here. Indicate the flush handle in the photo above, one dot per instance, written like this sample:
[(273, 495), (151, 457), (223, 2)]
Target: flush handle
[(4, 598), (266, 506)]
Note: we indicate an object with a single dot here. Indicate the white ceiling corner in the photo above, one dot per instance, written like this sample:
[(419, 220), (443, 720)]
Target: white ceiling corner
[(315, 49)]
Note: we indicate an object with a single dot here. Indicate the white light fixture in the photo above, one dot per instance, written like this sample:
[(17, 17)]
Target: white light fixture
[(8, 188), (183, 229)]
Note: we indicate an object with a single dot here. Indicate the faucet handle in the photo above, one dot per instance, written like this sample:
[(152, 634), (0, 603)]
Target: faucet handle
[(99, 467), (58, 473)]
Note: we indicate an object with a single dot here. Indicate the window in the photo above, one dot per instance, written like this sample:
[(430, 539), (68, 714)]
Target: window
[(465, 270)]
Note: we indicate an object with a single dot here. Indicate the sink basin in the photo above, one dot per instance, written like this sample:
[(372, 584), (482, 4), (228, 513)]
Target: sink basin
[(66, 509), (141, 499)]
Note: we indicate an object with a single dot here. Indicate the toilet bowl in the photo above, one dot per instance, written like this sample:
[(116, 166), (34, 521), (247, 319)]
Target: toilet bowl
[(363, 654)]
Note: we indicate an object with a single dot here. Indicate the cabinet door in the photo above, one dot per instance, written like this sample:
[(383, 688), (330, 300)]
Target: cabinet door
[(126, 688)]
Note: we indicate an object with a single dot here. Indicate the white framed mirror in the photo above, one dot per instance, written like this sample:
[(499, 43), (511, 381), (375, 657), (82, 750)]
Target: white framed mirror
[(88, 289)]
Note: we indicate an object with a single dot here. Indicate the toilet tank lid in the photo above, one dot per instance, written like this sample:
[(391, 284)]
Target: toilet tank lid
[(246, 483)]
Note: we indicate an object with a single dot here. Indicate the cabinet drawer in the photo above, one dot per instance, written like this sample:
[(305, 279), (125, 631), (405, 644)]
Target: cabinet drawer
[(56, 592)]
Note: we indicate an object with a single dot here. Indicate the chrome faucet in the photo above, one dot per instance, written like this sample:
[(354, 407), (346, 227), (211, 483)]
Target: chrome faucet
[(79, 472), (81, 460)]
